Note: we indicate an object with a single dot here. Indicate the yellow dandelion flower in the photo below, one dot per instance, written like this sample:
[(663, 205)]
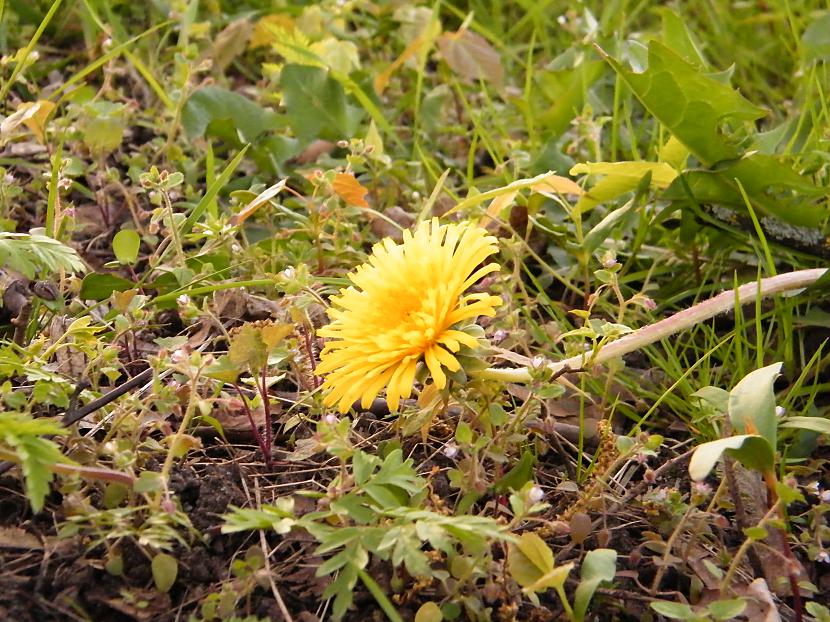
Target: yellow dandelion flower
[(400, 309)]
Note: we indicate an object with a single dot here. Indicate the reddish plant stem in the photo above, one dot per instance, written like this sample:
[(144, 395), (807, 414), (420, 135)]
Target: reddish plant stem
[(266, 408), (254, 429)]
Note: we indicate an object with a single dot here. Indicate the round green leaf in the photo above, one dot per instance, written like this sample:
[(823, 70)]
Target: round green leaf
[(125, 245), (165, 568)]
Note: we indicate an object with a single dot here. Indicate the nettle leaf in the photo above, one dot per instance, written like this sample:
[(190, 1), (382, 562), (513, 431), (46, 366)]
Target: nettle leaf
[(316, 104), (599, 566), (223, 112), (752, 404), (751, 450)]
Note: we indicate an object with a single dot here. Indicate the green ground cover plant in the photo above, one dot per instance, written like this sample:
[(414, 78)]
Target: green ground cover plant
[(445, 310)]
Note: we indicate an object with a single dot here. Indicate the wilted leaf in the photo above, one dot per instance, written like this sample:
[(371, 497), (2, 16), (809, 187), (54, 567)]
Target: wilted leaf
[(247, 348), (471, 56), (231, 42), (261, 199), (350, 190)]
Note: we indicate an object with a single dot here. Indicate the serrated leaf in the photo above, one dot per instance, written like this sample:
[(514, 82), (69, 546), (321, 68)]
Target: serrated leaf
[(752, 404), (752, 450)]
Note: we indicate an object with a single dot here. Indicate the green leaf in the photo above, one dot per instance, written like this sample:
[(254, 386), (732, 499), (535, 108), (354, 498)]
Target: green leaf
[(698, 110), (34, 254), (101, 286), (599, 566), (149, 481), (752, 404), (223, 112), (566, 91), (125, 245), (529, 559), (753, 451), (675, 611), (316, 104), (692, 105), (165, 569), (429, 612), (814, 424), (815, 41), (518, 476), (727, 609), (23, 435), (619, 178)]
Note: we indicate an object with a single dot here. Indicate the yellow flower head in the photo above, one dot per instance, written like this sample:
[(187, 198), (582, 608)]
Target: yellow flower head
[(401, 308)]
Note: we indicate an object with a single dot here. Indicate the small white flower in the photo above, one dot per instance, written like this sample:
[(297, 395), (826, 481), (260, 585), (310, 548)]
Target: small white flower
[(780, 411), (183, 300), (179, 356), (813, 488), (824, 496), (538, 362), (823, 557), (331, 419), (536, 494), (450, 450)]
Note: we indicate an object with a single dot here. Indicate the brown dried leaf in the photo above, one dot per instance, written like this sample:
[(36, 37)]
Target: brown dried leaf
[(350, 190), (471, 56)]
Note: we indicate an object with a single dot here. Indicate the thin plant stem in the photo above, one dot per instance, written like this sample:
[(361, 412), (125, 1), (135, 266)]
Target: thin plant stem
[(681, 320)]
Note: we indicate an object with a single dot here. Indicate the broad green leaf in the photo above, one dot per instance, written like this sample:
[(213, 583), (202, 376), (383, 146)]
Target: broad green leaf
[(697, 108), (529, 559), (814, 424), (692, 105), (149, 481), (676, 36), (101, 286), (752, 404), (165, 569), (619, 178), (727, 609), (223, 112), (752, 450), (599, 566), (125, 245), (316, 104)]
